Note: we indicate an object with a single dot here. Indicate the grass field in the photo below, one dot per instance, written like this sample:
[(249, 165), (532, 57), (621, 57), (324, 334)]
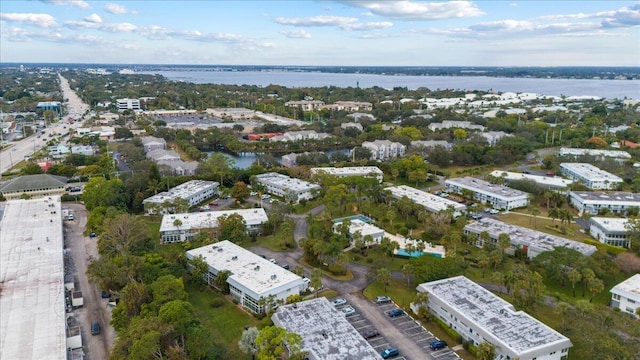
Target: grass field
[(574, 231)]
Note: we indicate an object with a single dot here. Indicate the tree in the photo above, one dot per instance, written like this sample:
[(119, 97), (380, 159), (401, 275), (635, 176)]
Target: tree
[(199, 268), (528, 288), (101, 192), (316, 280), (535, 211), (240, 191), (460, 134), (595, 287), (124, 235), (232, 227), (217, 165), (574, 277), (247, 343), (486, 351), (383, 276), (273, 341), (407, 271), (287, 231), (587, 276)]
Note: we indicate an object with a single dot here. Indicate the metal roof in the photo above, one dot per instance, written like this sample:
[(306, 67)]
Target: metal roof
[(33, 182)]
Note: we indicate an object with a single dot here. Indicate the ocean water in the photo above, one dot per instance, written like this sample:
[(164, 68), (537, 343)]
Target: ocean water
[(610, 89)]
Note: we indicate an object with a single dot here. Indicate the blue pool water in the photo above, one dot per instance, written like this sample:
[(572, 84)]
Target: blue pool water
[(360, 217), (415, 254)]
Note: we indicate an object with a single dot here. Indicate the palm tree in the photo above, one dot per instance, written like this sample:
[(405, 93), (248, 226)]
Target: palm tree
[(554, 214), (595, 286), (535, 211), (383, 276), (574, 276), (407, 271)]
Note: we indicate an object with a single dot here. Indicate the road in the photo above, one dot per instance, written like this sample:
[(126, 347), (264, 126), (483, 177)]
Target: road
[(24, 148), (83, 250)]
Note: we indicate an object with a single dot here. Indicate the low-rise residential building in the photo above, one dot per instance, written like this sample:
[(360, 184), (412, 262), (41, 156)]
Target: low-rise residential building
[(450, 124), (179, 167), (185, 226), (291, 189), (325, 331), (531, 242), (366, 171), (299, 136), (305, 105), (592, 202), (87, 150), (289, 160), (480, 316), (364, 228), (163, 155), (493, 137), (255, 283), (151, 143), (193, 192), (430, 144), (498, 196), (354, 125), (598, 153), (430, 202), (33, 186), (610, 231), (128, 104), (384, 149), (551, 182), (349, 106), (626, 296), (591, 176)]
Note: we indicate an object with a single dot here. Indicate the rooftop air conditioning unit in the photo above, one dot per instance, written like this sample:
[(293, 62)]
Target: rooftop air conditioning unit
[(219, 249), (256, 268), (273, 277), (234, 258)]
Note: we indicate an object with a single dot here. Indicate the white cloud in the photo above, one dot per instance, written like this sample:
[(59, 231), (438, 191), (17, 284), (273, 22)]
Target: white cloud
[(77, 3), (317, 21), (368, 26), (410, 10), (623, 17), (21, 35), (93, 18), (296, 34), (117, 9), (40, 20)]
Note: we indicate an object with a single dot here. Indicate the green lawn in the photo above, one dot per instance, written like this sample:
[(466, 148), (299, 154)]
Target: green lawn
[(375, 256), (225, 323), (545, 225), (397, 290)]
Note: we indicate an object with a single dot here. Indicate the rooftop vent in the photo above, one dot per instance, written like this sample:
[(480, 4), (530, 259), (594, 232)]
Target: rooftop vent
[(256, 268), (273, 277), (234, 258), (219, 249)]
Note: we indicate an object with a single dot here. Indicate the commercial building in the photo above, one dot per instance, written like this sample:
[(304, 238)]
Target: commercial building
[(591, 176), (480, 316), (498, 196), (600, 154), (185, 226), (626, 296), (611, 231), (231, 113), (194, 192), (592, 202), (291, 189), (551, 182), (325, 331), (531, 242), (252, 277), (366, 171), (32, 300), (364, 228), (49, 105), (128, 104), (33, 186), (430, 202), (384, 149)]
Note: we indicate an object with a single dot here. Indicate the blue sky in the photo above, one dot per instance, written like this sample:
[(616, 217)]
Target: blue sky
[(356, 32)]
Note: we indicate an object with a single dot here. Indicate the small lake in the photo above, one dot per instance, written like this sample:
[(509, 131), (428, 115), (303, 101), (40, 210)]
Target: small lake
[(245, 160)]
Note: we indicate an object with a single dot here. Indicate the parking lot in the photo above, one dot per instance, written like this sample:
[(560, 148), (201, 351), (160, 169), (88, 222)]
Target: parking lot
[(404, 324)]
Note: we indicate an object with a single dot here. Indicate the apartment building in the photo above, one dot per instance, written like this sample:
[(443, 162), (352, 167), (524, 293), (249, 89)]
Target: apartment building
[(305, 105), (291, 189), (194, 192), (610, 231), (531, 242), (600, 154), (253, 279), (551, 182), (450, 124), (384, 149), (498, 196), (128, 104), (359, 226), (366, 171), (150, 143), (626, 296), (430, 144), (349, 106), (430, 202), (592, 177), (185, 226), (480, 316), (592, 202), (299, 136)]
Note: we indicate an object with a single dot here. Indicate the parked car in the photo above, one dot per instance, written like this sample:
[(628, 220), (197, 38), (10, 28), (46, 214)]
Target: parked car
[(438, 344), (348, 310), (368, 334), (95, 328), (285, 266), (253, 193), (338, 302), (476, 216), (494, 211), (389, 352), (395, 313), (382, 299), (273, 261), (215, 203)]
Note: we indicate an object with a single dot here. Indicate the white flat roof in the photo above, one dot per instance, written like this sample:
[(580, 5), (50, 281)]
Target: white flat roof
[(32, 300), (524, 236), (364, 228), (516, 330), (258, 275), (431, 202), (182, 191), (349, 171), (630, 288), (286, 182), (209, 219), (498, 191), (595, 152), (610, 224), (551, 181), (591, 172), (325, 331), (615, 197)]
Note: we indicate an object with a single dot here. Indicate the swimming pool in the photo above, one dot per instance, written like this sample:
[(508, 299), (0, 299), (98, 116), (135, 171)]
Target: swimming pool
[(415, 254), (360, 217)]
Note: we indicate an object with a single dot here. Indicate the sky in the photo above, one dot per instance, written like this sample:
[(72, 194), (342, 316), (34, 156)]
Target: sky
[(322, 33)]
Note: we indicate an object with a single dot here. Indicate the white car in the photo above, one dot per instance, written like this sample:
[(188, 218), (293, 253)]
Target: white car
[(339, 302), (348, 310)]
